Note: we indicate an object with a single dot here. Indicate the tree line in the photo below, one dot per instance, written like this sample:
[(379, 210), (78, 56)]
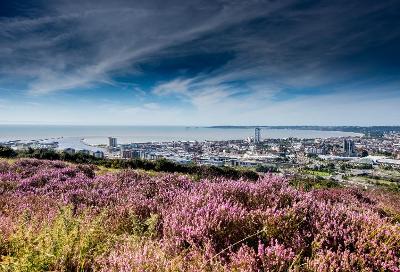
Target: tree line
[(160, 165)]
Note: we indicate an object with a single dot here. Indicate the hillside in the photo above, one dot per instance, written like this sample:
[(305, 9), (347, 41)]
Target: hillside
[(56, 216)]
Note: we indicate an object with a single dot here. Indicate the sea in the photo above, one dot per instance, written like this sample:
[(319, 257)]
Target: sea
[(87, 137)]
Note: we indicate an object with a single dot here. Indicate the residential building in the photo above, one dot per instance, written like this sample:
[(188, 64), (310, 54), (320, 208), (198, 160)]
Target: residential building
[(112, 142)]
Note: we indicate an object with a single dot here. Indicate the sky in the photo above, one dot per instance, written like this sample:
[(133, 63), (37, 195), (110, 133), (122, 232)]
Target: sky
[(200, 62)]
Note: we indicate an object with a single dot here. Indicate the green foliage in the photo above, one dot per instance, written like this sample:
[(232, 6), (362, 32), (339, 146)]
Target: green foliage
[(146, 228), (67, 243), (317, 173), (267, 168), (387, 167), (328, 168), (391, 186), (7, 152), (164, 165), (311, 184), (161, 165), (40, 153), (130, 224), (361, 166)]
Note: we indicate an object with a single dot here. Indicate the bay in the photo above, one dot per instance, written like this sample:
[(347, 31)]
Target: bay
[(79, 136)]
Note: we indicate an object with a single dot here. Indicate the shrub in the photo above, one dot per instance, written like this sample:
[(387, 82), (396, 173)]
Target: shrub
[(66, 243)]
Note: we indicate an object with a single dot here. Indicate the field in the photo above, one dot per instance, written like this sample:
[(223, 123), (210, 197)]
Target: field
[(317, 173), (379, 178), (65, 217)]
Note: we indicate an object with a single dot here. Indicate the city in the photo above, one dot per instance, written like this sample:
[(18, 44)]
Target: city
[(362, 161)]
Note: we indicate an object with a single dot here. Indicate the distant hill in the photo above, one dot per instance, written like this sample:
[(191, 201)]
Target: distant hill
[(368, 131)]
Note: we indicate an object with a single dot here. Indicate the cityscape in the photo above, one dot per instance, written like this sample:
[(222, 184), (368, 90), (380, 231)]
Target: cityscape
[(365, 161)]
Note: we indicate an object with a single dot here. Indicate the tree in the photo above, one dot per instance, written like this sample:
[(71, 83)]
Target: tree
[(7, 152), (364, 153)]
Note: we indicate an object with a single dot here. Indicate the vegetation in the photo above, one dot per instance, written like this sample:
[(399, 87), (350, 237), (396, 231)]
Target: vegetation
[(317, 173), (307, 184), (361, 166), (56, 216), (7, 152), (388, 183), (267, 168), (161, 165)]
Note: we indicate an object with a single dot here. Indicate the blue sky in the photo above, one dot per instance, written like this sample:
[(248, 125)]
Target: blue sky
[(200, 62)]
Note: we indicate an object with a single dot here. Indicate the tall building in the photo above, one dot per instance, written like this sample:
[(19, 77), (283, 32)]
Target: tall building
[(112, 142), (348, 148), (257, 135)]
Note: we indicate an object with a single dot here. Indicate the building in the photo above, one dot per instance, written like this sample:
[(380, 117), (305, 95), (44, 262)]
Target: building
[(131, 154), (348, 148), (98, 154), (315, 150), (112, 142), (257, 135), (126, 154), (85, 152), (69, 151)]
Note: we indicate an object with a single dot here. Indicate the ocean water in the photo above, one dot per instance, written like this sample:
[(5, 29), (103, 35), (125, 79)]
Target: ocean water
[(77, 136)]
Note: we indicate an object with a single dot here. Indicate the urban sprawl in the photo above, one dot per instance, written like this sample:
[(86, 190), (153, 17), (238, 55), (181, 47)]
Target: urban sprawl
[(361, 160)]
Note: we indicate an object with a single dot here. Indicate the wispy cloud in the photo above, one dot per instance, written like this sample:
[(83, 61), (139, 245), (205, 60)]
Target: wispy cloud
[(307, 52), (73, 48), (76, 44)]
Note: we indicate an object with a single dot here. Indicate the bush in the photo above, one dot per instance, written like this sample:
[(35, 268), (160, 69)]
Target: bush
[(311, 184), (7, 152), (66, 243), (266, 168)]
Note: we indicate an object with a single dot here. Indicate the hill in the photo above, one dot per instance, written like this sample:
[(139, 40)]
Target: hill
[(57, 216)]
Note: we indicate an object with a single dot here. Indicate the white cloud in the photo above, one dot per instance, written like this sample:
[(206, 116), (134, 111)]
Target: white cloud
[(81, 46), (176, 86)]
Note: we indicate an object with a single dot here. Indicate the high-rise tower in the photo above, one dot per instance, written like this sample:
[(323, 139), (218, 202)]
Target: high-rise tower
[(348, 148), (257, 135), (112, 142)]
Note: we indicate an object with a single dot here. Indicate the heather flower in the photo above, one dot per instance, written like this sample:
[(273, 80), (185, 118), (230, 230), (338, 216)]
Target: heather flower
[(58, 216)]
